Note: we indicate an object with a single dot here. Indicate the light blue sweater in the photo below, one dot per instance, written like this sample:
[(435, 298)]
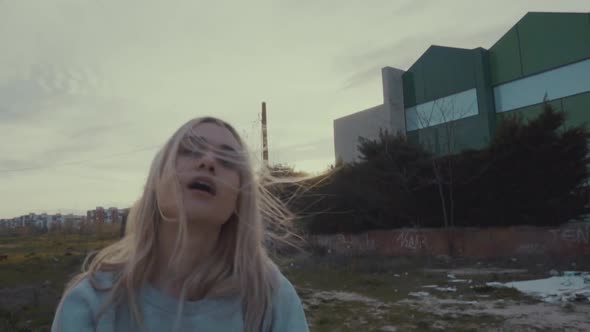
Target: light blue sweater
[(80, 307)]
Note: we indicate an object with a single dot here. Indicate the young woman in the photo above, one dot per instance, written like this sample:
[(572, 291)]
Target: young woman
[(193, 255)]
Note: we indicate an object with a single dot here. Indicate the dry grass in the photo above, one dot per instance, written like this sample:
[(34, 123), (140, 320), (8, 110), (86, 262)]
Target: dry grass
[(33, 277), (34, 274)]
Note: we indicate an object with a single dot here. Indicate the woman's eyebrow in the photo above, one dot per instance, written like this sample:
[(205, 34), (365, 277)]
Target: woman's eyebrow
[(221, 146), (227, 148)]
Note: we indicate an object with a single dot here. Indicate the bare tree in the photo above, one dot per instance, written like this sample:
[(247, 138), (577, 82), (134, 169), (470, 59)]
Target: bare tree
[(444, 114)]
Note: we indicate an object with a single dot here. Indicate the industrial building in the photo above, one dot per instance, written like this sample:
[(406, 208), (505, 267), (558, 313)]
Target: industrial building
[(452, 99)]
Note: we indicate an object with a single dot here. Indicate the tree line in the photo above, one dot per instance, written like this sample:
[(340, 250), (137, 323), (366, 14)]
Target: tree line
[(531, 173)]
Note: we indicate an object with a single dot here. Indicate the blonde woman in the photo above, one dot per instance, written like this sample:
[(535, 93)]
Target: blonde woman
[(193, 256)]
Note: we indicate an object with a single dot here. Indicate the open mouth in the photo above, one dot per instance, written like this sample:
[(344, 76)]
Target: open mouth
[(203, 185)]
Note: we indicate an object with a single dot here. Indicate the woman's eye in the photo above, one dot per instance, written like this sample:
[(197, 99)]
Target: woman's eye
[(227, 164), (189, 152)]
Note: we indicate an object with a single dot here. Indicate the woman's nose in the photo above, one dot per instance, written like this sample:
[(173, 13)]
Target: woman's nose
[(207, 162)]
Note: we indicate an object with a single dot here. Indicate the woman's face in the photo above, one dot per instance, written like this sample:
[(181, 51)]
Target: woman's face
[(207, 165)]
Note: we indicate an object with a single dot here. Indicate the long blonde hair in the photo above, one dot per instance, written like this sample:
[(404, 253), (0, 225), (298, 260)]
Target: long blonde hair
[(240, 264)]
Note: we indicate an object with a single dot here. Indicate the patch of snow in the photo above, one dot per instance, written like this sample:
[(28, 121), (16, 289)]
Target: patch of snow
[(554, 289), (476, 271), (460, 280), (446, 289), (342, 296), (419, 294), (495, 284)]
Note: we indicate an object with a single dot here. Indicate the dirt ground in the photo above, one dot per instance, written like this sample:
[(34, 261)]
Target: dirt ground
[(354, 293), (405, 294)]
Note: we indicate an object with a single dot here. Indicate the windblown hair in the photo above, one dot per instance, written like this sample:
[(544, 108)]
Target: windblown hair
[(240, 265)]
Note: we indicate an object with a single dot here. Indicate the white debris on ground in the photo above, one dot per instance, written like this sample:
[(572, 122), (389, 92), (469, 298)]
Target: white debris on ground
[(313, 299), (440, 289), (516, 316), (446, 289), (419, 294), (476, 271), (572, 286), (326, 296), (460, 281), (513, 315)]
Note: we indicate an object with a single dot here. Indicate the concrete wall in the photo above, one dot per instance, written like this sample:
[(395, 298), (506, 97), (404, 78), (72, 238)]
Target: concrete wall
[(393, 98), (570, 240), (348, 129), (388, 116)]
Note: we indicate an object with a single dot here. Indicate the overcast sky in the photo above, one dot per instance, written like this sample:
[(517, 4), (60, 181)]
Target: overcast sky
[(90, 88)]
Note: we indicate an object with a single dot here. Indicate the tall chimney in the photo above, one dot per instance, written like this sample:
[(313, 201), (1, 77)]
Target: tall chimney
[(264, 136)]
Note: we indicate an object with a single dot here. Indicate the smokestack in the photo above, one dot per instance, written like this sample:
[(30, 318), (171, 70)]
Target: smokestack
[(264, 136)]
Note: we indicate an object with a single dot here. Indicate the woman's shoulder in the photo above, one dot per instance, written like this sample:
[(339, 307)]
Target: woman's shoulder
[(283, 283), (285, 291), (90, 288), (288, 313), (81, 303)]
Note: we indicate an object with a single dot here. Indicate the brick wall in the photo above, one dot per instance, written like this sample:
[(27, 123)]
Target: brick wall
[(569, 240)]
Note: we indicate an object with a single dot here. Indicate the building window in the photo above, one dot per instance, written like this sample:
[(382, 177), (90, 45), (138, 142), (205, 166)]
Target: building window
[(442, 110), (554, 84)]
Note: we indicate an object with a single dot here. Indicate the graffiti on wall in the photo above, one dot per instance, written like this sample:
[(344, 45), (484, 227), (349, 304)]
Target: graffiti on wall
[(578, 234), (411, 240), (572, 239), (531, 249), (348, 242)]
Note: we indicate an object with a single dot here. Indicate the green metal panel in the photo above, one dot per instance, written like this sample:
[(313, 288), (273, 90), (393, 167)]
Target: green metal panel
[(409, 87), (440, 71), (578, 109), (413, 137), (540, 42), (456, 136), (505, 62), (549, 40), (529, 112)]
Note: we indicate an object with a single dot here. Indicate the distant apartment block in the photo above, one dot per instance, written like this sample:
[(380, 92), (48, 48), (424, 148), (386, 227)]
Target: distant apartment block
[(46, 221), (111, 215)]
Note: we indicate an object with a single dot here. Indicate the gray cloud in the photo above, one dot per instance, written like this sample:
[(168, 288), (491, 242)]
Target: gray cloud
[(411, 7), (99, 130), (292, 154), (23, 98), (7, 163), (81, 80), (362, 77), (19, 99), (45, 159), (365, 67)]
